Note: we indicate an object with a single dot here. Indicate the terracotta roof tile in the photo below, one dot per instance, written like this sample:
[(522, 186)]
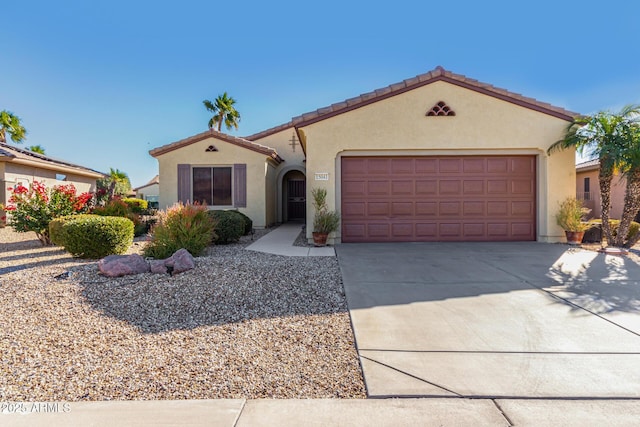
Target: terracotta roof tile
[(268, 132), (241, 142), (437, 74)]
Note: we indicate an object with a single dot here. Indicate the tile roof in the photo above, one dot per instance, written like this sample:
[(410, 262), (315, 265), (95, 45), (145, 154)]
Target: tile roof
[(438, 74), (270, 131), (589, 164), (154, 180), (241, 142), (21, 155)]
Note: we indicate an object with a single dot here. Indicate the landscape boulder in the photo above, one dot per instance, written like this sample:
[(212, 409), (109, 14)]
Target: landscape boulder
[(180, 261), (122, 265), (157, 266)]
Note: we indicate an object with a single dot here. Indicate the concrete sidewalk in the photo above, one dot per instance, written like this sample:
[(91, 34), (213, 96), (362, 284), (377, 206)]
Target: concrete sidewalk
[(280, 242), (326, 412)]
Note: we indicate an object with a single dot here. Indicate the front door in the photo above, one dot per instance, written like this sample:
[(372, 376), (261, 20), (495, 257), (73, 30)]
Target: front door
[(296, 199)]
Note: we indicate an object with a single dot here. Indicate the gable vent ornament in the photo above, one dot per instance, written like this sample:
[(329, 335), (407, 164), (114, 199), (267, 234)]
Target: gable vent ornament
[(210, 149), (441, 109)]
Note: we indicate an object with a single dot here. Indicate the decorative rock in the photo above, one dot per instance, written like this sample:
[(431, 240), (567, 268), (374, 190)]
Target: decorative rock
[(180, 261), (122, 265), (157, 266)]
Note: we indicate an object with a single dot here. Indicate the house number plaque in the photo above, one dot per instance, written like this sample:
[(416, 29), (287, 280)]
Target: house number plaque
[(322, 176)]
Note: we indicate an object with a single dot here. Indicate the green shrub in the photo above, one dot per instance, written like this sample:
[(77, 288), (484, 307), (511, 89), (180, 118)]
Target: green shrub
[(615, 223), (248, 223), (122, 208), (229, 226), (114, 207), (55, 228), (95, 236), (136, 205), (181, 226)]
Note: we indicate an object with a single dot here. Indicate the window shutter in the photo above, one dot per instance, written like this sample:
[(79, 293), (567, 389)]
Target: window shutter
[(240, 185), (184, 183)]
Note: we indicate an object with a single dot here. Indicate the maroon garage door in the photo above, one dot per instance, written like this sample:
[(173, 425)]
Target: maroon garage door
[(433, 199)]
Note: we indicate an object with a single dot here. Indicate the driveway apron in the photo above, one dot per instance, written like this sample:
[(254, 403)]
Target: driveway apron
[(498, 320)]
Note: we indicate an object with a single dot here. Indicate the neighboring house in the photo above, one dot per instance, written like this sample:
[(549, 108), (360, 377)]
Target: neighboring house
[(439, 157), (149, 192), (21, 166), (588, 190)]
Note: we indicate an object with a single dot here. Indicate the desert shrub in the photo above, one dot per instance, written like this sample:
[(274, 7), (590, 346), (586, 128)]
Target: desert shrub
[(122, 208), (114, 207), (248, 223), (615, 223), (56, 234), (95, 236), (181, 226), (229, 226), (136, 205)]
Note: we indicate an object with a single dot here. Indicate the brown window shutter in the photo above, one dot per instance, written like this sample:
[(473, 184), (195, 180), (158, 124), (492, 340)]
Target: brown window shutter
[(184, 183), (240, 185)]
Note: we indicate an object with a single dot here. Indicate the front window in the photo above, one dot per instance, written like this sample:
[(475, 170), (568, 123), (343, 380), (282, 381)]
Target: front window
[(212, 186)]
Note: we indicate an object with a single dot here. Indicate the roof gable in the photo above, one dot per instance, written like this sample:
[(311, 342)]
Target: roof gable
[(439, 74), (241, 142)]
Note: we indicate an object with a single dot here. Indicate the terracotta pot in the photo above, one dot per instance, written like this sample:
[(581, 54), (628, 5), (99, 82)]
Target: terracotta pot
[(320, 239), (574, 237)]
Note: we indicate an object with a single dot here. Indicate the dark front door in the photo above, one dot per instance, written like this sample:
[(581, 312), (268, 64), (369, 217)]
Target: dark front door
[(296, 199)]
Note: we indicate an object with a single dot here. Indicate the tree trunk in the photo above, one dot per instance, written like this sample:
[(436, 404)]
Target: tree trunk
[(631, 206), (605, 176)]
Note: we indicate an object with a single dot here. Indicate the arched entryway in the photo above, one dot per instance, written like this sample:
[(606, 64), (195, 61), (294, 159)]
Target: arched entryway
[(293, 189)]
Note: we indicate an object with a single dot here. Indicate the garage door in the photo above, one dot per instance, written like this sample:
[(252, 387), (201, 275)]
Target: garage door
[(432, 199)]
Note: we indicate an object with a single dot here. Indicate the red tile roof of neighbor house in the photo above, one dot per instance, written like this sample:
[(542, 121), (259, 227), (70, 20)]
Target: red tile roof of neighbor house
[(11, 153), (241, 142), (439, 74)]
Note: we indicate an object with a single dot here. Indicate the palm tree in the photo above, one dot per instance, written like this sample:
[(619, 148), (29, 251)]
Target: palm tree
[(36, 149), (631, 170), (10, 123), (116, 183), (609, 138), (223, 112)]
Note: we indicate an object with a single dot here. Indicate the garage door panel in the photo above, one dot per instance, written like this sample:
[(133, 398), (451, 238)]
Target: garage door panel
[(426, 187), (354, 209), (450, 165), (426, 165), (521, 186), (353, 188), (378, 209), (472, 186), (426, 208), (402, 187), (402, 209), (498, 165), (450, 187), (402, 166), (449, 198)]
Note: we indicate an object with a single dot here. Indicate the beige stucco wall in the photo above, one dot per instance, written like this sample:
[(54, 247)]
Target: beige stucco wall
[(293, 160), (227, 155), (618, 188), (483, 125), (16, 173), (149, 190)]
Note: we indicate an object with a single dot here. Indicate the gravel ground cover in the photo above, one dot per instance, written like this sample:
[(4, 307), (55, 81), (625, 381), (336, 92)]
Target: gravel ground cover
[(240, 325)]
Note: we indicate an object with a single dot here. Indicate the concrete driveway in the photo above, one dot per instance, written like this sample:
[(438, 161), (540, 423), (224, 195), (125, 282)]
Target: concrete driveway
[(496, 320)]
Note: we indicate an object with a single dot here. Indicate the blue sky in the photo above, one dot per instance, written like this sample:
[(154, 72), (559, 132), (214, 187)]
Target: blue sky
[(100, 83)]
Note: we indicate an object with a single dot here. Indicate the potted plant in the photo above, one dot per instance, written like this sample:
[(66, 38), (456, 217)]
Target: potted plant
[(324, 221), (570, 217)]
